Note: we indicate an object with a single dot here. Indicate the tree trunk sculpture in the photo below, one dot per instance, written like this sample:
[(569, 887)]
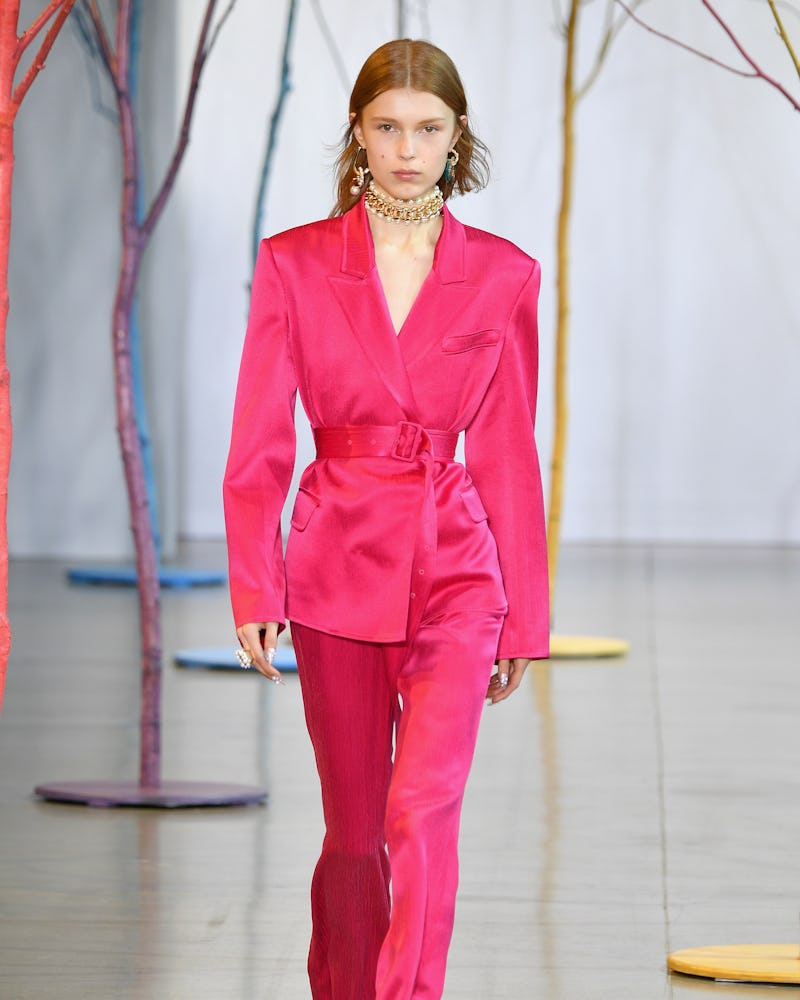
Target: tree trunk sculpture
[(135, 237), (12, 49)]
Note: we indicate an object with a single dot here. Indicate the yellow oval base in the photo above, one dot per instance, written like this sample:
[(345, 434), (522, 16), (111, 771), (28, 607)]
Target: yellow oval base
[(585, 647), (746, 963)]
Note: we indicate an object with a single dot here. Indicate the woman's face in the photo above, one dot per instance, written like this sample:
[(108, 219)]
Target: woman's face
[(407, 135)]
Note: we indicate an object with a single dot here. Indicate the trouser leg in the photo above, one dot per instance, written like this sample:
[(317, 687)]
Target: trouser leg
[(350, 710), (442, 681)]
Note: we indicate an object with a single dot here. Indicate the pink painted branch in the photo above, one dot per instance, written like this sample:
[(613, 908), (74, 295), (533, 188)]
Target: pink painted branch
[(28, 36), (42, 54), (200, 56), (754, 73)]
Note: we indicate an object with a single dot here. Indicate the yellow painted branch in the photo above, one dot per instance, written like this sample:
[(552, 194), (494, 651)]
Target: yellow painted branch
[(784, 35), (563, 302)]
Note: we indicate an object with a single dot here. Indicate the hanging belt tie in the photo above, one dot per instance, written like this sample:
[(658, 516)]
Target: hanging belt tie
[(405, 441)]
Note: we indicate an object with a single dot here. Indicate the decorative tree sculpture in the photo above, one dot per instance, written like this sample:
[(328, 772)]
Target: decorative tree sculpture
[(116, 59), (12, 50), (753, 963), (571, 646)]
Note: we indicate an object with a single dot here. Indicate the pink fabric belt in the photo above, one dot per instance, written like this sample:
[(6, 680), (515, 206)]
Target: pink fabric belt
[(405, 441)]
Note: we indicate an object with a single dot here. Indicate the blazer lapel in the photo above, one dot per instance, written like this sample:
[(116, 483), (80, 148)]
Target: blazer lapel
[(359, 293), (443, 297)]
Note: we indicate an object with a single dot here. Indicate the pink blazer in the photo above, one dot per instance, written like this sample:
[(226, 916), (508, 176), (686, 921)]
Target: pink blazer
[(465, 360)]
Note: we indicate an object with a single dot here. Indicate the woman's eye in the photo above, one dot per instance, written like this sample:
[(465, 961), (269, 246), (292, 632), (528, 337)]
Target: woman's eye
[(430, 129), (385, 127)]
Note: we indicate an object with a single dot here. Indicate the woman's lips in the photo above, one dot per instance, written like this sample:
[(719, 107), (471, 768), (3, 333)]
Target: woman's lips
[(406, 175)]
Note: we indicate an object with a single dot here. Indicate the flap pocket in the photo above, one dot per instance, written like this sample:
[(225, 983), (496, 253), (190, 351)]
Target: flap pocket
[(458, 343), (304, 506), (474, 504)]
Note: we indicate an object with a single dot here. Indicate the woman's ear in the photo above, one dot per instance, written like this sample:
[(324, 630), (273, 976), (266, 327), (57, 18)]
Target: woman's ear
[(357, 130), (461, 124)]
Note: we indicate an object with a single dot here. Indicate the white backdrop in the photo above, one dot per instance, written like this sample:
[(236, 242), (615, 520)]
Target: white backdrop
[(685, 354)]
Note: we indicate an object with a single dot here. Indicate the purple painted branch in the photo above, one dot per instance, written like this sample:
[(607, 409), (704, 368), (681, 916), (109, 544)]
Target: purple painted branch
[(682, 45), (200, 56), (134, 243), (755, 73), (749, 59), (40, 57), (103, 42)]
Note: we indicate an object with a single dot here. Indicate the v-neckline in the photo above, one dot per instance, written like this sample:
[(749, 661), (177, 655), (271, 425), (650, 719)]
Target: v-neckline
[(396, 333), (387, 311)]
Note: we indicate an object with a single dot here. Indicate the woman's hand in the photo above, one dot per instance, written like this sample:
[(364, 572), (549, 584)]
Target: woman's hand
[(507, 679), (256, 637)]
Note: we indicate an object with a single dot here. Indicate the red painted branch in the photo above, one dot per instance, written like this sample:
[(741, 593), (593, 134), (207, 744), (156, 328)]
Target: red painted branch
[(10, 101), (44, 51), (28, 36), (6, 174)]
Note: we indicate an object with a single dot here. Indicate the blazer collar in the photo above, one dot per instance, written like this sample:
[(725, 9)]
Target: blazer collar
[(358, 250), (441, 301)]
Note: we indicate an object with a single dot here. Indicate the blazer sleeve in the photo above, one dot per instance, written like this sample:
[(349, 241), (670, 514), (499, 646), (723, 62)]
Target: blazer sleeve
[(262, 453), (501, 458)]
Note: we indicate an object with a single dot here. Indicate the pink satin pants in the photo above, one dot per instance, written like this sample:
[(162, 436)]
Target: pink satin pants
[(367, 941)]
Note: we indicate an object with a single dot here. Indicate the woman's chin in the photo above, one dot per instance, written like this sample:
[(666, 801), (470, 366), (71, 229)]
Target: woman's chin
[(406, 188)]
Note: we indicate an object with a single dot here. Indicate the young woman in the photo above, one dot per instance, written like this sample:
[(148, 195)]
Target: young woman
[(407, 575)]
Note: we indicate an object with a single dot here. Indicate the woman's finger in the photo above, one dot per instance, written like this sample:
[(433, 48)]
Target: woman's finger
[(259, 640), (507, 678)]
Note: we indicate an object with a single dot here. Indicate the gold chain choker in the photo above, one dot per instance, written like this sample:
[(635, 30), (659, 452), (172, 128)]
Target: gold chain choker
[(416, 210)]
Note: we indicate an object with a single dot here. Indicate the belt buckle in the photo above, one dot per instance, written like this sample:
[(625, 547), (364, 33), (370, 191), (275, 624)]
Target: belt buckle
[(408, 442)]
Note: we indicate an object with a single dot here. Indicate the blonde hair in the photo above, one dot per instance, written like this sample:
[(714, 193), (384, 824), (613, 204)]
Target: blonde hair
[(420, 66)]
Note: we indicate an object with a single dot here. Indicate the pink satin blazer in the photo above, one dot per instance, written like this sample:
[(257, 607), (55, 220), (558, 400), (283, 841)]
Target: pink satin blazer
[(464, 361)]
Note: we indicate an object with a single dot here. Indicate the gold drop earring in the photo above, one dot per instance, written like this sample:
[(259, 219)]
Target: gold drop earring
[(359, 174)]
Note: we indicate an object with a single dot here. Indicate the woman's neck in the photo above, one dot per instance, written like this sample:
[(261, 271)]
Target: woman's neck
[(422, 230)]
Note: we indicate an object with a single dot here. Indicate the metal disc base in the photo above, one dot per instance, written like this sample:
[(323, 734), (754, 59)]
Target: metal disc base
[(167, 795)]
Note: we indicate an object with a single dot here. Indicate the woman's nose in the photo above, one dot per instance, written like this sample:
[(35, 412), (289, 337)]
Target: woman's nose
[(406, 146)]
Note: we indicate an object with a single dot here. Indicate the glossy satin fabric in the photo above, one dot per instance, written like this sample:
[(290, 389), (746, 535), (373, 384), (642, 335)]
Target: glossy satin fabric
[(361, 948), (364, 530)]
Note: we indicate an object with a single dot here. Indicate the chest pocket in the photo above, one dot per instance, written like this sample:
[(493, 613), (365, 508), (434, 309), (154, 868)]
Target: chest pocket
[(458, 343)]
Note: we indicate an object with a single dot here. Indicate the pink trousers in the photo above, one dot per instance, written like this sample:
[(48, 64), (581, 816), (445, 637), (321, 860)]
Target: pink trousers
[(425, 696)]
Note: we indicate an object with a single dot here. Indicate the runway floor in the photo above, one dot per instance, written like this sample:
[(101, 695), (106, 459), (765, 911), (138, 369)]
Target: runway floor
[(617, 809)]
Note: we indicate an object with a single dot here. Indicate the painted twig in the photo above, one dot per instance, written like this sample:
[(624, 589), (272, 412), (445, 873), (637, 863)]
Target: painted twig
[(12, 48), (755, 72), (135, 235)]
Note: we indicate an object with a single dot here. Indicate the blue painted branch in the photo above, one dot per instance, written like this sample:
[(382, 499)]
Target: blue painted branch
[(272, 140)]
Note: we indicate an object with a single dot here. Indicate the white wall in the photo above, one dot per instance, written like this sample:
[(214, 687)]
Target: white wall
[(685, 354)]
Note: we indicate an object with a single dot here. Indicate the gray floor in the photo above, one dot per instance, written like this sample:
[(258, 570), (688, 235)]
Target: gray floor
[(617, 810)]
